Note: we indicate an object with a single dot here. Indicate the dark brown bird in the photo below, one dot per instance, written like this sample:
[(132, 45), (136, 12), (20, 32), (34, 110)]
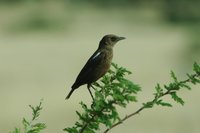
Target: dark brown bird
[(98, 64)]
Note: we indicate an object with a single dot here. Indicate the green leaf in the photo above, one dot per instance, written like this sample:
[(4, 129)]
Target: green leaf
[(84, 106), (71, 130), (98, 94), (193, 79), (115, 115), (114, 65), (118, 97), (196, 68), (177, 98), (148, 104), (131, 98), (88, 130), (36, 110), (159, 91), (25, 123), (174, 86), (131, 87), (94, 125), (158, 88), (174, 77), (78, 124), (99, 104), (166, 87), (185, 86), (32, 126), (17, 130), (160, 102)]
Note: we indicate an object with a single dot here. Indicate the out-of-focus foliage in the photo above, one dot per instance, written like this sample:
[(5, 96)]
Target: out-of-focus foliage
[(186, 11), (175, 11), (172, 10)]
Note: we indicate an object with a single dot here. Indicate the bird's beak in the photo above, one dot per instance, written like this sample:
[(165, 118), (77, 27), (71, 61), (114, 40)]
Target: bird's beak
[(121, 38)]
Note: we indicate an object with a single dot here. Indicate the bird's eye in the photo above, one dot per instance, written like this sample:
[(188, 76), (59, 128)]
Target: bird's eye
[(113, 39)]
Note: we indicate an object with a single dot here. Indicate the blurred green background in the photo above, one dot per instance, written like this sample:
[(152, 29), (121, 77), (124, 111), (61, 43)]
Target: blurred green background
[(45, 43)]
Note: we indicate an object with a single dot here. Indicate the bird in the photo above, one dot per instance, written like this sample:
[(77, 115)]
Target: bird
[(97, 65)]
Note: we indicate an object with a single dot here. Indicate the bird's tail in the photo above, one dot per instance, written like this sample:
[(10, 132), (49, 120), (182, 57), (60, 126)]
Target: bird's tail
[(74, 86), (70, 93)]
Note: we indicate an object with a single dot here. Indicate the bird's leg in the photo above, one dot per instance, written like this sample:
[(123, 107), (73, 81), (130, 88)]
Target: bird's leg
[(93, 87), (88, 86)]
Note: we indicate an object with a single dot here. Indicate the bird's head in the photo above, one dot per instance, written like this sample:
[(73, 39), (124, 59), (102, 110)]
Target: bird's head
[(109, 40)]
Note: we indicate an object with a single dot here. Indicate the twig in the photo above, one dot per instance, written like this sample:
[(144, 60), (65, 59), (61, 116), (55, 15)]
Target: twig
[(126, 117), (143, 107), (92, 118)]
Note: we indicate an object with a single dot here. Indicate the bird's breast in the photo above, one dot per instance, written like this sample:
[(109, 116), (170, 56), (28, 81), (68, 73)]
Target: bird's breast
[(105, 64)]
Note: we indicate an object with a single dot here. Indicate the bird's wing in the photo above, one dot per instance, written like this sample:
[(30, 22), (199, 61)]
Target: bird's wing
[(91, 64)]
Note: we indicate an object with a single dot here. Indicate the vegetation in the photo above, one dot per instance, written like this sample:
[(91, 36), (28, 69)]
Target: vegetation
[(32, 126), (115, 90)]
